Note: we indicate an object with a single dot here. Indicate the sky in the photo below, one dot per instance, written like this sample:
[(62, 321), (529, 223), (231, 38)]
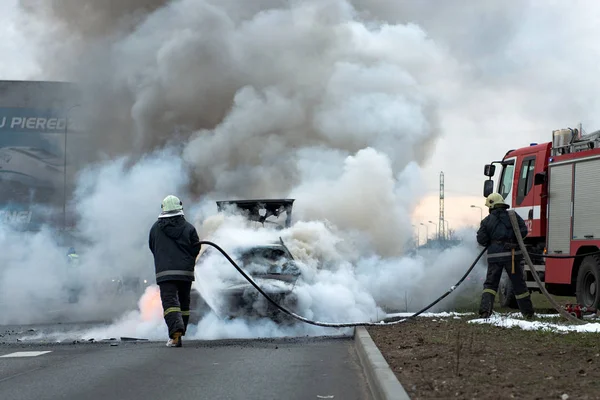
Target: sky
[(18, 60), (498, 77)]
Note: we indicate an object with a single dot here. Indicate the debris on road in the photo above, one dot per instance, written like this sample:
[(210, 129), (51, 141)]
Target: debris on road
[(131, 339)]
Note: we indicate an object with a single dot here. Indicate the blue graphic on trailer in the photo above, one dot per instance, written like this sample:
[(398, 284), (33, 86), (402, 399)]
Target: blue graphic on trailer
[(31, 163)]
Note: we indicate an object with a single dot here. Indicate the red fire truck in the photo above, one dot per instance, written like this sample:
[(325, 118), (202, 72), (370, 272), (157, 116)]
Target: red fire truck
[(555, 187)]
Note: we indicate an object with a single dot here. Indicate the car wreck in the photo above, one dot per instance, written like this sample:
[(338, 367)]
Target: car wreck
[(270, 265)]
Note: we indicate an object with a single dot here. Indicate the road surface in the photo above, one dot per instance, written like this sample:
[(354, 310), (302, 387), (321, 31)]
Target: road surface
[(307, 368)]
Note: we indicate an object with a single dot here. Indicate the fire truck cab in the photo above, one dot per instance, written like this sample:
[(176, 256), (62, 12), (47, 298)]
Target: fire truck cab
[(554, 187)]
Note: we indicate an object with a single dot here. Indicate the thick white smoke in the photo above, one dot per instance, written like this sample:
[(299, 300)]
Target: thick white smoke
[(116, 207), (345, 277), (338, 284)]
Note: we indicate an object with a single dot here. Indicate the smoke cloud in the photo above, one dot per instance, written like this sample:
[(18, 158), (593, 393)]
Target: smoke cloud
[(258, 94), (249, 83)]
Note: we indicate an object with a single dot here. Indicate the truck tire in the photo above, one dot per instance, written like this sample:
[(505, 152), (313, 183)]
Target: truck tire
[(587, 291), (506, 293)]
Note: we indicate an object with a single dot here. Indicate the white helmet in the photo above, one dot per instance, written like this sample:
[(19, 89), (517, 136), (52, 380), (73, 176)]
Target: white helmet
[(494, 200), (171, 207)]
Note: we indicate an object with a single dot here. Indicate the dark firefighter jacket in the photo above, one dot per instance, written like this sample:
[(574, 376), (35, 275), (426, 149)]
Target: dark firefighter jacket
[(496, 230), (175, 245)]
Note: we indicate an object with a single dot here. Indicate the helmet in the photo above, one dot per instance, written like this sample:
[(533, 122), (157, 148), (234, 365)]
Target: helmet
[(171, 206), (493, 200)]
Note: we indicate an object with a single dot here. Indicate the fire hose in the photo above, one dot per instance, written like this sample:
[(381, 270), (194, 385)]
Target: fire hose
[(515, 225), (387, 321)]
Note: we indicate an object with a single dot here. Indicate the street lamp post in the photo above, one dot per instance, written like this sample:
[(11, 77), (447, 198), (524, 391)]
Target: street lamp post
[(426, 232), (418, 239), (436, 232), (480, 211), (417, 236), (65, 166)]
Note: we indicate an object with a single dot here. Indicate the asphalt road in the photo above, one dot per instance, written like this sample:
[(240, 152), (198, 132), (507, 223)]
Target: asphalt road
[(307, 368)]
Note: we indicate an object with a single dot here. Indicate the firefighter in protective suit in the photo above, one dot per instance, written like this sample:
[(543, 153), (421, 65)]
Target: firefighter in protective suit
[(503, 253), (72, 257), (175, 245), (74, 284)]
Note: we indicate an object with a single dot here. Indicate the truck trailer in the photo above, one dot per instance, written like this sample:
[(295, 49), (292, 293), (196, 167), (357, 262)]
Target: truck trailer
[(555, 187), (41, 149)]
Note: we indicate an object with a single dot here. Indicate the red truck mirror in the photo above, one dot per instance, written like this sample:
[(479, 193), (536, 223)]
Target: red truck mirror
[(489, 170), (488, 187)]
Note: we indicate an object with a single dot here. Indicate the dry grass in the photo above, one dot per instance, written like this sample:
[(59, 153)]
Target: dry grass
[(451, 358)]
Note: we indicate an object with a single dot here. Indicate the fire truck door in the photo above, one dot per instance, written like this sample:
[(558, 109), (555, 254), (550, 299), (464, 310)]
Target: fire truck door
[(524, 197)]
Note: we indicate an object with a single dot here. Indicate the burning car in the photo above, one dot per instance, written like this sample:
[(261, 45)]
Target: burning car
[(270, 265)]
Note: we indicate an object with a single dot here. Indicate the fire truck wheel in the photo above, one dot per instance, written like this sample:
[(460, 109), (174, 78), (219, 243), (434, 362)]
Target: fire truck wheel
[(588, 279), (506, 293)]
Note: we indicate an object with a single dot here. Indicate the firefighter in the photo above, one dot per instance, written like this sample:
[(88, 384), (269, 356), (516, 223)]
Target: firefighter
[(503, 253), (175, 245), (74, 287), (72, 257)]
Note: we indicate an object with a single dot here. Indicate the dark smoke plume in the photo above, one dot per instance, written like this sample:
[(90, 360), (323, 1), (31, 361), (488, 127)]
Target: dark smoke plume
[(253, 84)]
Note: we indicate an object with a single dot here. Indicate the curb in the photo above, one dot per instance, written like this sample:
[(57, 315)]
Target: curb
[(382, 382)]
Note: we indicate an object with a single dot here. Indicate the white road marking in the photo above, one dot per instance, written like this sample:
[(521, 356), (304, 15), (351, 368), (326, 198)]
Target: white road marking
[(25, 354)]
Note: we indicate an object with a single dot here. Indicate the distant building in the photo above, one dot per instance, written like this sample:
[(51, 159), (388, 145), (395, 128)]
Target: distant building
[(441, 244), (435, 244)]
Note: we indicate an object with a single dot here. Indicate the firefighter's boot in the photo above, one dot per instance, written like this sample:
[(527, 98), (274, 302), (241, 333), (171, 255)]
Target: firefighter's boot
[(487, 303), (525, 305), (175, 341)]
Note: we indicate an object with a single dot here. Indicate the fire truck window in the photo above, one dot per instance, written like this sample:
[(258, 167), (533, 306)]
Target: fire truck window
[(530, 176), (507, 180), (525, 179)]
